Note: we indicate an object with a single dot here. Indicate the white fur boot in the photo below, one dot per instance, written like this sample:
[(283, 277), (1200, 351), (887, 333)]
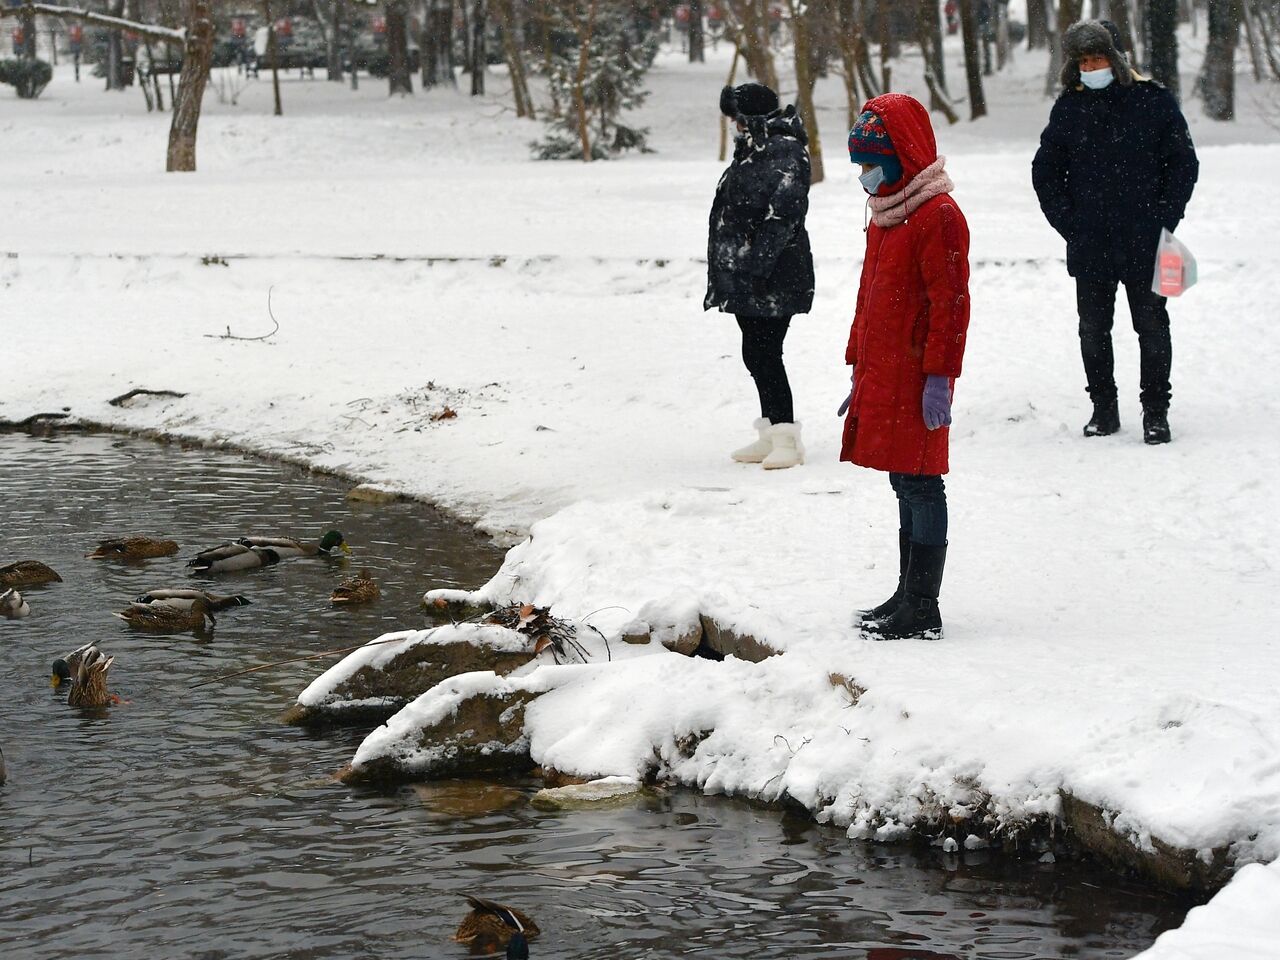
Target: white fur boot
[(787, 449), (757, 450)]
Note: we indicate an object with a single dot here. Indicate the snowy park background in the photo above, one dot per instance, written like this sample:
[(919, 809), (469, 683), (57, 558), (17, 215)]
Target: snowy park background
[(1108, 604)]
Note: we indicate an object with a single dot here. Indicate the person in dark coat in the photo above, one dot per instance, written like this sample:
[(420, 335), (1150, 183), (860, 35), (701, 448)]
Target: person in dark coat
[(1115, 166), (906, 347), (759, 266)]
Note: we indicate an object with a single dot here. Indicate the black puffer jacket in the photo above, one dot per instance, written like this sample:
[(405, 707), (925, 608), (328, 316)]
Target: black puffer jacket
[(1114, 166), (758, 259)]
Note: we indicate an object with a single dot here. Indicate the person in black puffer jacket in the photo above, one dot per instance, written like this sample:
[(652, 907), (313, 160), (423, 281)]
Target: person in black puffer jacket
[(759, 266), (1115, 166)]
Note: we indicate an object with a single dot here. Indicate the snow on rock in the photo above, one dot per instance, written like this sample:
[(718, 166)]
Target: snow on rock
[(395, 668), (589, 794), (1240, 923)]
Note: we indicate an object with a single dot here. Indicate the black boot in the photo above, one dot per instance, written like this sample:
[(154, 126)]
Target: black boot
[(890, 605), (1155, 426), (1106, 419), (917, 616)]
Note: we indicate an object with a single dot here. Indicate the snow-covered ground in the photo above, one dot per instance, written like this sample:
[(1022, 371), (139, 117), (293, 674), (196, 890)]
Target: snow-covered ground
[(1109, 628)]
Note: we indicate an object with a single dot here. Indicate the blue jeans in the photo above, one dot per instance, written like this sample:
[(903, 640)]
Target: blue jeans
[(922, 507)]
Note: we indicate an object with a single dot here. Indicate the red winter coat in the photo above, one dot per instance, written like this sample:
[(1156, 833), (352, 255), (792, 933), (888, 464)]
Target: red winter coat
[(912, 314)]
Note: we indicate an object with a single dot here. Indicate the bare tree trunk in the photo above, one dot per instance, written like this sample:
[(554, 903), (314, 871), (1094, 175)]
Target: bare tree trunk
[(28, 26), (848, 33), (1118, 13), (332, 37), (1162, 43), (399, 79), (1003, 50), (802, 22), (115, 50), (697, 47), (724, 121), (437, 62), (886, 45), (504, 12), (1068, 13), (1255, 46), (197, 57), (479, 21), (1037, 24), (972, 59), (273, 56), (585, 32), (1219, 81)]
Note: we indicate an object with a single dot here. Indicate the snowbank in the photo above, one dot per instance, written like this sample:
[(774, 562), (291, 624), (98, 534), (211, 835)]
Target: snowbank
[(1241, 922)]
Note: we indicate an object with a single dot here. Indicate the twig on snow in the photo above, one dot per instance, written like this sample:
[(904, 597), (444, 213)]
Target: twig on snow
[(266, 336)]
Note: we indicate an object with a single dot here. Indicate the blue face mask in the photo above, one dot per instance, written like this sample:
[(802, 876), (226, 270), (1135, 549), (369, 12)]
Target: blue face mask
[(872, 179), (1097, 79)]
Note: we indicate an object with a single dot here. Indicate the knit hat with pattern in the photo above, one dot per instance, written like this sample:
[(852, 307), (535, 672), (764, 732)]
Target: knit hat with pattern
[(869, 143)]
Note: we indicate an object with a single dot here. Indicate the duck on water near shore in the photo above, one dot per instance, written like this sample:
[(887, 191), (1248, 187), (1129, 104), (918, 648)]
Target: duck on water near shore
[(12, 606), (490, 926), (168, 618), (85, 669), (27, 573), (133, 548), (249, 552), (182, 598), (359, 589)]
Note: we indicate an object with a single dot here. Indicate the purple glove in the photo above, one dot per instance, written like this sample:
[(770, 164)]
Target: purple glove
[(853, 382), (936, 402)]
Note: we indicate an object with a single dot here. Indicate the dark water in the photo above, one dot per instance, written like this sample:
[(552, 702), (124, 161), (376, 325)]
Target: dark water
[(190, 823)]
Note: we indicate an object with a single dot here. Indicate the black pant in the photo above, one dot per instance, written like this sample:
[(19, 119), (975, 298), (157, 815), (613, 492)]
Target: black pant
[(922, 507), (1096, 303), (762, 353)]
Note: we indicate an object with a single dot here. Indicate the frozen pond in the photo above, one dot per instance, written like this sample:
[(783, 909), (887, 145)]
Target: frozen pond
[(191, 823)]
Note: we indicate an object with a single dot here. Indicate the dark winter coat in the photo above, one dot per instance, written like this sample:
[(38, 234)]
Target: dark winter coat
[(1114, 166), (912, 314), (758, 259)]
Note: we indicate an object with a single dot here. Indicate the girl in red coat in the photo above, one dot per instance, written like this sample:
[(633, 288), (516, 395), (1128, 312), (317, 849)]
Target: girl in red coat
[(906, 346)]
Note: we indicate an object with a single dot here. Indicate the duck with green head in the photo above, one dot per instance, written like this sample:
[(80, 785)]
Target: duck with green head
[(288, 547), (12, 606), (231, 557), (183, 598)]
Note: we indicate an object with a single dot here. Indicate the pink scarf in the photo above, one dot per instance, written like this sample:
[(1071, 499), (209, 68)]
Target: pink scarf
[(928, 183)]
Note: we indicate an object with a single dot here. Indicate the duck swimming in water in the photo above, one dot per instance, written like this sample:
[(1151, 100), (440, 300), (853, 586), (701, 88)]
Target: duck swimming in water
[(167, 618), (27, 573), (133, 548), (85, 669), (183, 597), (12, 606), (359, 589), (288, 547), (233, 556), (490, 926)]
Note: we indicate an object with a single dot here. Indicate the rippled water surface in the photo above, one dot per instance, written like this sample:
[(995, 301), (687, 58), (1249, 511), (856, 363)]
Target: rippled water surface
[(190, 823)]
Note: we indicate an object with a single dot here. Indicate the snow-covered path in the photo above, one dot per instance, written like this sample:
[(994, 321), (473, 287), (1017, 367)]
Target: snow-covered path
[(1108, 605)]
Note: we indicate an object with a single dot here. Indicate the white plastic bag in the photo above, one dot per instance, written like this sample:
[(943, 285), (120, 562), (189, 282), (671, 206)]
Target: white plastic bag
[(1175, 267)]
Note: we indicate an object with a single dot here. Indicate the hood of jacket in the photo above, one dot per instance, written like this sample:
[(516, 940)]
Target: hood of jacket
[(780, 123), (907, 122)]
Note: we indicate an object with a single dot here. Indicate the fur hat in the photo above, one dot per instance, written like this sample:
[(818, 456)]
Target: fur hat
[(748, 100), (1100, 38)]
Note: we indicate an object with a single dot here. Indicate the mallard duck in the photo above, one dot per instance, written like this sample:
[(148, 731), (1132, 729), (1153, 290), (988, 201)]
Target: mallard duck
[(64, 668), (233, 556), (359, 589), (89, 682), (133, 548), (168, 619), (27, 573), (182, 598), (490, 926), (287, 547), (12, 606)]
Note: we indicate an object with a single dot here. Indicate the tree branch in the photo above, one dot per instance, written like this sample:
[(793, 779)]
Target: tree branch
[(148, 30)]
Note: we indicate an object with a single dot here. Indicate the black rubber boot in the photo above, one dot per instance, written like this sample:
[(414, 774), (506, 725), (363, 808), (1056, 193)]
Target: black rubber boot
[(1155, 426), (1106, 420), (917, 616), (890, 605)]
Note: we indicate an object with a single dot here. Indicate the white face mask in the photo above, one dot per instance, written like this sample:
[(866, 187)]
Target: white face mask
[(872, 179), (1097, 79)]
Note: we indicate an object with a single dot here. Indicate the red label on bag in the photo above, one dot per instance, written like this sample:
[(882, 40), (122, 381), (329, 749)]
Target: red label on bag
[(1171, 274)]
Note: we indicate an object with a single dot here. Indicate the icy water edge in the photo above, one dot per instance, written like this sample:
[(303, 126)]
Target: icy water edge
[(192, 823)]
